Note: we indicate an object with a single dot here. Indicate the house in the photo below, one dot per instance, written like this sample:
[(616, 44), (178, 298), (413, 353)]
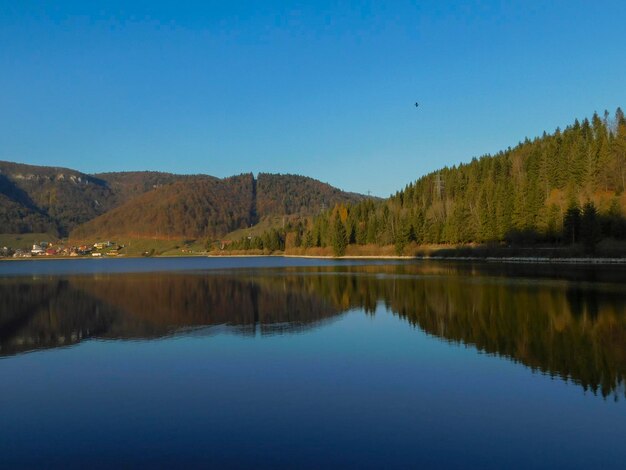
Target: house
[(102, 245), (37, 250), (84, 250)]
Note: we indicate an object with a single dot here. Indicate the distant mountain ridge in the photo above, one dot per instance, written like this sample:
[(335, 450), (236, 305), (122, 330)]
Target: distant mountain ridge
[(205, 206), (147, 203)]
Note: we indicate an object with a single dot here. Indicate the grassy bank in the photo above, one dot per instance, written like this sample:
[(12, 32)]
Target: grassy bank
[(606, 250), (25, 241), (155, 247)]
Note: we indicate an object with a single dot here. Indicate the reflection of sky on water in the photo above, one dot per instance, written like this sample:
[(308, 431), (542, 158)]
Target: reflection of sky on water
[(362, 391), (195, 263)]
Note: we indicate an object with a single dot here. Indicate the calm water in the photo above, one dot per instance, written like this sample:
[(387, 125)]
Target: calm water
[(266, 362)]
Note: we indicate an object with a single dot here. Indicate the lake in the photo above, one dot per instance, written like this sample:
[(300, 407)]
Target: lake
[(286, 362)]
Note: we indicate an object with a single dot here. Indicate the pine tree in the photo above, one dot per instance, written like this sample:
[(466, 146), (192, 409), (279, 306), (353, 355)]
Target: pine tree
[(298, 239), (418, 226), (403, 236), (590, 233), (553, 223), (339, 238), (308, 240), (619, 151), (571, 225), (372, 230), (615, 222)]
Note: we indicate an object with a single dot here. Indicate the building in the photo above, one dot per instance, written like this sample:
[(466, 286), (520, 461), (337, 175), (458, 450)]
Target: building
[(102, 245)]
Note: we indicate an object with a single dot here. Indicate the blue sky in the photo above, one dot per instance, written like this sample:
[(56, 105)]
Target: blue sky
[(324, 89)]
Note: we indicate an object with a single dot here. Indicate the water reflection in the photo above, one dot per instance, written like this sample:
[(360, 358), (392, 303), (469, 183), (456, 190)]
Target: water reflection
[(559, 323)]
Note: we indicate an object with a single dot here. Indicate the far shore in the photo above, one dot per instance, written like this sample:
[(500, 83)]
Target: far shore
[(487, 259), (490, 259)]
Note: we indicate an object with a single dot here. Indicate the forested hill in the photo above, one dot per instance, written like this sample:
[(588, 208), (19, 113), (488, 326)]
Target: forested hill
[(55, 200), (193, 207), (524, 190), (58, 200), (557, 188), (204, 206), (48, 199), (292, 194)]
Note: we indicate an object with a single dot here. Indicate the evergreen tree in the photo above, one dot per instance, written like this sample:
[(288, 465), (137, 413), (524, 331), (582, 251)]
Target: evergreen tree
[(339, 237), (590, 233), (619, 151), (298, 239), (418, 227), (553, 223), (372, 230), (616, 223), (403, 236), (571, 225), (308, 240)]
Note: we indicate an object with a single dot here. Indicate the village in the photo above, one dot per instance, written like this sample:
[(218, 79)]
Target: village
[(45, 248)]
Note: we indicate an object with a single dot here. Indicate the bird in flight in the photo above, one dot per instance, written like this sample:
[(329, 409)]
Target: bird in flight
[(416, 104)]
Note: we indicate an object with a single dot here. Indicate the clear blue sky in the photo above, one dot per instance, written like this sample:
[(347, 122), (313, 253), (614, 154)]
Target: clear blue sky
[(324, 89)]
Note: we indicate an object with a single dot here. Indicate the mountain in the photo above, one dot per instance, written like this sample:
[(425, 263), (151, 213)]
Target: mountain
[(59, 200), (55, 200), (205, 206)]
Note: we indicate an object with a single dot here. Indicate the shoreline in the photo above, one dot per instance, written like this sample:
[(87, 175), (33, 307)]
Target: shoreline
[(485, 259), (488, 259)]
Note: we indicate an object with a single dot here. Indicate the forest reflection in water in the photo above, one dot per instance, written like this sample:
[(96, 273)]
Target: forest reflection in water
[(568, 322)]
